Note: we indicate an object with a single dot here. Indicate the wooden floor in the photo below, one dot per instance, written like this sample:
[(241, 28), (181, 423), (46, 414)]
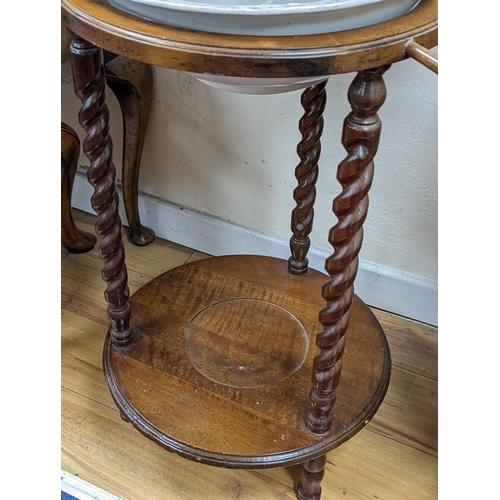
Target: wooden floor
[(393, 458)]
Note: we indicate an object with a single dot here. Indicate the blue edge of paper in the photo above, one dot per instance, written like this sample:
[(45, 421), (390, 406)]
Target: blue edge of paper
[(66, 496)]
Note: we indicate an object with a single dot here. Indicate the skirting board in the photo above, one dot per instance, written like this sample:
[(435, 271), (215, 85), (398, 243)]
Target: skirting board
[(82, 490), (382, 287)]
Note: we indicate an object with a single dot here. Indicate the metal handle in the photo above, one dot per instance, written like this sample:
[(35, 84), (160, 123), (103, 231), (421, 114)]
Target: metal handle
[(422, 55)]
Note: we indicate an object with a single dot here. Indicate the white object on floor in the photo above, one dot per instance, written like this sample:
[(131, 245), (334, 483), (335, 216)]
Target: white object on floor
[(83, 490)]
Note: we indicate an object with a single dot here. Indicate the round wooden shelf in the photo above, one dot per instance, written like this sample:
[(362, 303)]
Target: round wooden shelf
[(220, 367)]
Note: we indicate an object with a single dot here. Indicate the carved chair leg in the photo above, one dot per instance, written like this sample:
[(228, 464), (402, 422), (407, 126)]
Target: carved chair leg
[(313, 101), (311, 475), (132, 83), (72, 238), (360, 138), (90, 86)]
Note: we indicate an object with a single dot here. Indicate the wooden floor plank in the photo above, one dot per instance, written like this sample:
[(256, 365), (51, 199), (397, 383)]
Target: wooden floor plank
[(81, 364), (103, 450), (414, 346), (371, 466), (409, 411)]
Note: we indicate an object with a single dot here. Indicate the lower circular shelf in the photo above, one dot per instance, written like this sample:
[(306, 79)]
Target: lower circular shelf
[(220, 367)]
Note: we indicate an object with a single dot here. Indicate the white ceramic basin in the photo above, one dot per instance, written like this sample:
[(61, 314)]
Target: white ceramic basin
[(266, 18), (260, 86)]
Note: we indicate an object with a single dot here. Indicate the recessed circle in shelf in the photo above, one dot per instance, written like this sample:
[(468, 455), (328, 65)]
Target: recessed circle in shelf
[(246, 343)]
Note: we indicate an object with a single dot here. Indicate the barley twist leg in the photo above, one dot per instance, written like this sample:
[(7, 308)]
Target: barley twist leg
[(90, 84), (360, 138), (313, 101)]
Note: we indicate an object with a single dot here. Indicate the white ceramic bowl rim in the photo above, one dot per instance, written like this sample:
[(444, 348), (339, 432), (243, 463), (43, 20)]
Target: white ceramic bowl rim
[(260, 7)]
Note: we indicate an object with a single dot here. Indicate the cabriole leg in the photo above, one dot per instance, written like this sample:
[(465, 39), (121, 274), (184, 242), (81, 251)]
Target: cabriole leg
[(132, 83), (90, 84), (313, 101), (360, 138), (72, 238)]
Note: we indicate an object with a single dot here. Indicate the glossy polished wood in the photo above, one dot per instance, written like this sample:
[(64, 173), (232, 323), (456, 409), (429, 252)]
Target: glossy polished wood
[(73, 239), (89, 80), (423, 55), (360, 137), (309, 149), (230, 423), (231, 55), (311, 475)]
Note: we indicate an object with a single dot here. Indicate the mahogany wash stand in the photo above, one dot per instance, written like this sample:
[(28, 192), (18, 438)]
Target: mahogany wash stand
[(223, 360)]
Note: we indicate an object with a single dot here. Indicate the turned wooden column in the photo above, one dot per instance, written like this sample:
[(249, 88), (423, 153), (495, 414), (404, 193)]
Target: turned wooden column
[(360, 138), (311, 475), (90, 85), (313, 101)]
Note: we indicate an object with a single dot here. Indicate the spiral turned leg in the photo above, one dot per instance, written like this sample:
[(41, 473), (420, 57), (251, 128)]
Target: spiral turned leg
[(311, 475), (309, 148), (360, 138), (90, 84)]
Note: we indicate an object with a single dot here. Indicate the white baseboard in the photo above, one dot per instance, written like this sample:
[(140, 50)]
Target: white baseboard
[(82, 490), (382, 287)]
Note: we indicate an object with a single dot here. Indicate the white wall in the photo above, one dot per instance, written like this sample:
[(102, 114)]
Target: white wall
[(233, 156)]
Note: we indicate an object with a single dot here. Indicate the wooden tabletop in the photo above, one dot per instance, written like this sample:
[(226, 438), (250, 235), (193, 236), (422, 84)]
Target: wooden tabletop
[(251, 56)]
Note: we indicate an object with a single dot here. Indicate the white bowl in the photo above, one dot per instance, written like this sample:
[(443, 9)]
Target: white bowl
[(257, 86), (266, 18)]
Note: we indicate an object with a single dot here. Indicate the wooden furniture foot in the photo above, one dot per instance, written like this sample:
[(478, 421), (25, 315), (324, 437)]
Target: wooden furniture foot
[(72, 238), (360, 138), (90, 86), (311, 127), (132, 83), (311, 475)]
